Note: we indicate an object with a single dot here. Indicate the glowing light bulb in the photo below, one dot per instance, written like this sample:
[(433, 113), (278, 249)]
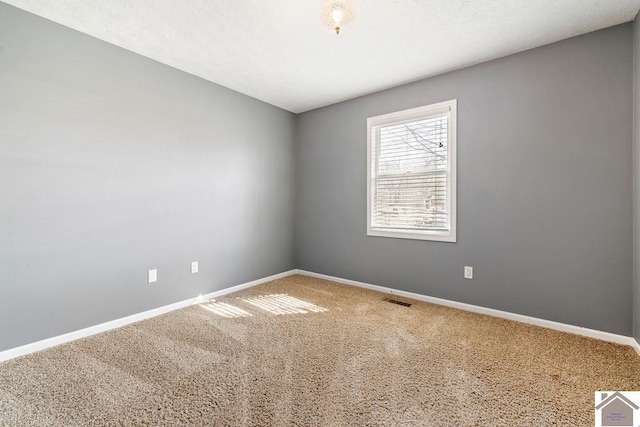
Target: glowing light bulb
[(335, 14)]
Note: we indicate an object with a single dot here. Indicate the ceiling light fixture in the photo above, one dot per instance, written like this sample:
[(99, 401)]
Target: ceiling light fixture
[(335, 14)]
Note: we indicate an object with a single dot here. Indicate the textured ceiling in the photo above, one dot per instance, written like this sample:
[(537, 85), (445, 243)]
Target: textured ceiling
[(277, 51)]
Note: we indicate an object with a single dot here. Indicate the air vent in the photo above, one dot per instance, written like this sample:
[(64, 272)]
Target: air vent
[(395, 301)]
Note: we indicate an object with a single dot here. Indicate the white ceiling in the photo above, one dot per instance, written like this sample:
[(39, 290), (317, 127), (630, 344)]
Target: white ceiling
[(277, 51)]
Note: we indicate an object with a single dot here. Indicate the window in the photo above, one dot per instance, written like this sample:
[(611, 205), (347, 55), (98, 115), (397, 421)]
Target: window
[(411, 181)]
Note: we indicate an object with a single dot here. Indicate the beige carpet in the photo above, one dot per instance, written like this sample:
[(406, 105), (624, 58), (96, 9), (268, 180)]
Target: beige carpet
[(303, 351)]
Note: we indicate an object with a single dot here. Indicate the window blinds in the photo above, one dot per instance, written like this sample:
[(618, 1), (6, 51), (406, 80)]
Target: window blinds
[(410, 179)]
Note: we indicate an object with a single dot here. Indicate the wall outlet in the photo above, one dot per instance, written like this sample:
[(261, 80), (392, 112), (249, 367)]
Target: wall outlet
[(194, 267), (468, 272), (152, 276)]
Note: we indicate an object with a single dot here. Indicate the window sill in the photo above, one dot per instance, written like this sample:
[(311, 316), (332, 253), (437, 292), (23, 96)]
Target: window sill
[(445, 236)]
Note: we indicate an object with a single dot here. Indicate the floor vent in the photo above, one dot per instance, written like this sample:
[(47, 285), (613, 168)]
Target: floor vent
[(395, 301)]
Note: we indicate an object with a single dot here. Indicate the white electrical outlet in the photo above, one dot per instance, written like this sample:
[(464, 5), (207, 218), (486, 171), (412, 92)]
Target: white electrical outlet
[(468, 272), (152, 276), (194, 267)]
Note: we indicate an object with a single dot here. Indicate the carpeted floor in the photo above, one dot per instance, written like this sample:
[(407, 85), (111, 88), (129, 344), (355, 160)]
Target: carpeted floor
[(304, 351)]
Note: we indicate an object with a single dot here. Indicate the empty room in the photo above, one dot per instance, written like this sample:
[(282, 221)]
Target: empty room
[(320, 213)]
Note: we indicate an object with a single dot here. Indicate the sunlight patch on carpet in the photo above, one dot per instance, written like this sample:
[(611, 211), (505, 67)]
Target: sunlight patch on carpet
[(224, 309), (284, 304)]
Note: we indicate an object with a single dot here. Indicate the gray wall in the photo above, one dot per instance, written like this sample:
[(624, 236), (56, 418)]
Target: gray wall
[(544, 186), (636, 179), (112, 164)]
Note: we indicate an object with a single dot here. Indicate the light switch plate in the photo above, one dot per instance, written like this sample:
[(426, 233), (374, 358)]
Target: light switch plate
[(152, 276), (468, 272), (194, 267)]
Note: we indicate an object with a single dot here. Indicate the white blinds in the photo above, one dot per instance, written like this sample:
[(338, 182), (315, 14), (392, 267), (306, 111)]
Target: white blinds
[(409, 171)]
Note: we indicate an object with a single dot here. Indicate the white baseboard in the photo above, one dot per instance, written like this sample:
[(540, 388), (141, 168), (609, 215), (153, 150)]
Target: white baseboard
[(592, 333), (103, 327)]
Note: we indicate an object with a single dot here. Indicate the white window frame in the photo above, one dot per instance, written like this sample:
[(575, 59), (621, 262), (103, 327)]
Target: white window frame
[(405, 116)]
